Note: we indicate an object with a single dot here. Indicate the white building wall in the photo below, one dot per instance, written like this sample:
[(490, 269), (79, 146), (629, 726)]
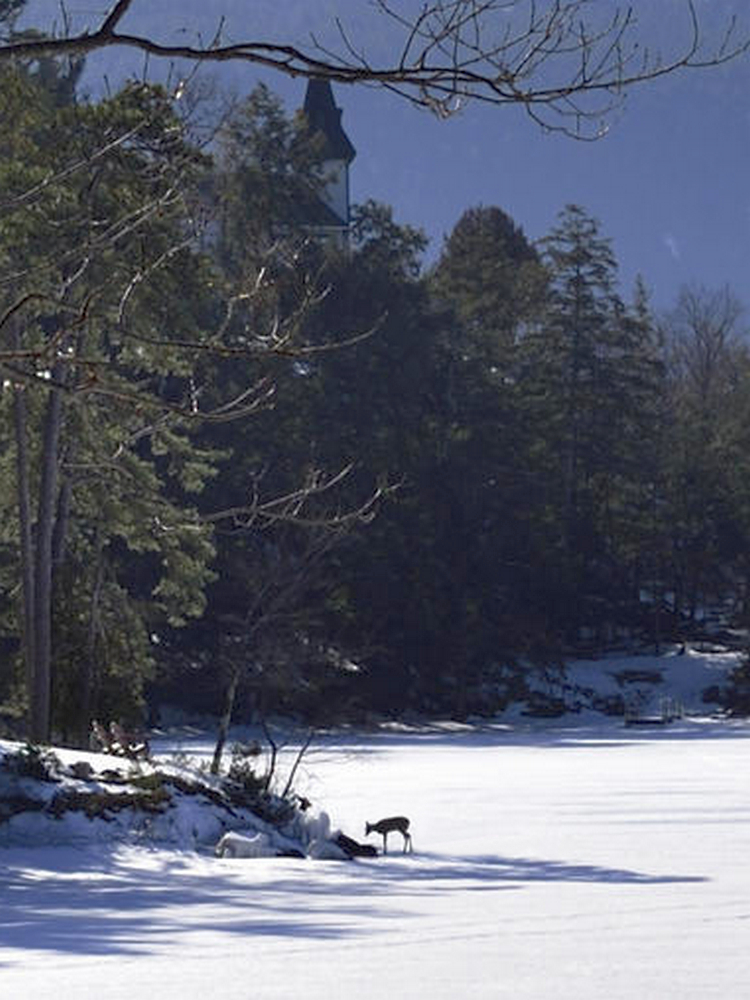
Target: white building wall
[(336, 190)]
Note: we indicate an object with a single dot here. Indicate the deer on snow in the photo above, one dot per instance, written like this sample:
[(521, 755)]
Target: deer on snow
[(386, 826)]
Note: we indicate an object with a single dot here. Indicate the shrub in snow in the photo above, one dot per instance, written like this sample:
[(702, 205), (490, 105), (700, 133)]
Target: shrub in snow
[(46, 797), (33, 762), (736, 696), (82, 770), (242, 772), (247, 788)]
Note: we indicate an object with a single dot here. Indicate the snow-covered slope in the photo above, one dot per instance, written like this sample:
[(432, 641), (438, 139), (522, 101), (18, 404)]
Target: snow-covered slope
[(67, 797), (689, 679)]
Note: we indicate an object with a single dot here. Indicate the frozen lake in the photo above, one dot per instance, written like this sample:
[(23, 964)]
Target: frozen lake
[(548, 863)]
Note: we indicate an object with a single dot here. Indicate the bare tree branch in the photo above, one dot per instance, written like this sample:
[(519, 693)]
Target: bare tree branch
[(565, 62), (119, 10), (293, 507)]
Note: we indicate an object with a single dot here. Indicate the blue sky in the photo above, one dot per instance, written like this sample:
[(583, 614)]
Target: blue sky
[(670, 183)]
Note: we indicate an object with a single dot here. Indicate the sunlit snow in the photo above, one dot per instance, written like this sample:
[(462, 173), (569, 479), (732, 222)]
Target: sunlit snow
[(579, 859)]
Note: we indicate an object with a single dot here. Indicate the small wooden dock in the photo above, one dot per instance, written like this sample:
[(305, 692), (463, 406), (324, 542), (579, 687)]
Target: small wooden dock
[(669, 711)]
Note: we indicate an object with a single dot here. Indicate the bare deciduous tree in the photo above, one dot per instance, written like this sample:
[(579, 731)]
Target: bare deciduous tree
[(288, 574), (568, 63), (705, 338)]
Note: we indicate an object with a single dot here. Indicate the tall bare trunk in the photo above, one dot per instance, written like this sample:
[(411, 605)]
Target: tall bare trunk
[(62, 519), (45, 526), (89, 666), (26, 538), (226, 716)]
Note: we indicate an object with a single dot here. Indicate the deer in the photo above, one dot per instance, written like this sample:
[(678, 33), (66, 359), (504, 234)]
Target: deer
[(386, 826)]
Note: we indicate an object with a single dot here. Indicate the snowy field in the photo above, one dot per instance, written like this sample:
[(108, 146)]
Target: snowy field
[(549, 862)]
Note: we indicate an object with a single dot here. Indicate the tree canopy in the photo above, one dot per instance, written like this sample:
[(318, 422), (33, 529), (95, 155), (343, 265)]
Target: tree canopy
[(248, 469)]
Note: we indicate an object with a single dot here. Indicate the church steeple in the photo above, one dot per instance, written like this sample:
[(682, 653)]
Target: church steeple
[(337, 152), (324, 117)]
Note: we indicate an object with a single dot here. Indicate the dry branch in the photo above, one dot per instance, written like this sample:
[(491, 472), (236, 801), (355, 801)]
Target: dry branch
[(565, 63)]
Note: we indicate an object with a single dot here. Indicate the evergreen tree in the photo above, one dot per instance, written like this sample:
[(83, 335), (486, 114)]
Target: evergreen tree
[(266, 619), (491, 275), (591, 382), (266, 184), (494, 281), (428, 589), (92, 260)]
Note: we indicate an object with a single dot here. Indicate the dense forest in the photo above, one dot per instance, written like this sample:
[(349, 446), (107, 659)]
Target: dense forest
[(246, 470)]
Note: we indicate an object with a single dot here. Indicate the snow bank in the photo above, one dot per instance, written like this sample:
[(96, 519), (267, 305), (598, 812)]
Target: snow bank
[(618, 684), (72, 797)]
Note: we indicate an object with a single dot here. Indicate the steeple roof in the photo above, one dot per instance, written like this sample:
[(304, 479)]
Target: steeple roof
[(323, 116)]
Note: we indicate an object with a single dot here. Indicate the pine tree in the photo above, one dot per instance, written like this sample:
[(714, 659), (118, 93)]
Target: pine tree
[(430, 586), (90, 260), (491, 275), (591, 382)]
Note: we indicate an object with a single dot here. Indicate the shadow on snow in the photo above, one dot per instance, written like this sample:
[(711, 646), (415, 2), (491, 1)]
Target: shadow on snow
[(488, 870), (564, 734), (83, 904), (102, 906)]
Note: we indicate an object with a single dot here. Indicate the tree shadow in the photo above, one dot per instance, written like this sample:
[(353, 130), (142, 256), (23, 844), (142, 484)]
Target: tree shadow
[(86, 903), (566, 733), (488, 870), (99, 905)]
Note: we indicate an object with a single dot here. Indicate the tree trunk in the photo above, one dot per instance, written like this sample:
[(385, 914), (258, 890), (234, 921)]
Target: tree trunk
[(62, 519), (94, 630), (48, 500), (26, 540), (226, 717)]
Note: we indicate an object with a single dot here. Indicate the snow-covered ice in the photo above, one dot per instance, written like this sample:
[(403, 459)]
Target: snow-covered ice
[(580, 862)]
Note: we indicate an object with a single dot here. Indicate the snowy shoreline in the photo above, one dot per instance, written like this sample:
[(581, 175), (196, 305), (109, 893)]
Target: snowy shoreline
[(550, 863), (565, 859)]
